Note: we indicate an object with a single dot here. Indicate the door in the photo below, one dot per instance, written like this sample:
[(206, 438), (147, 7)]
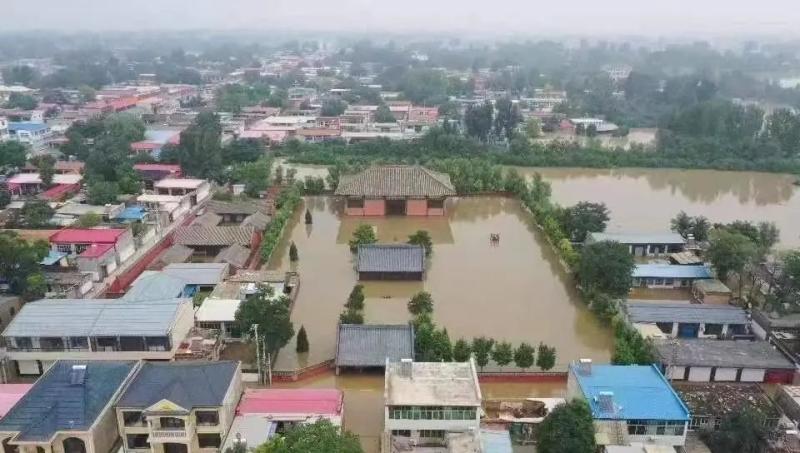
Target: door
[(176, 448), (688, 330), (395, 207)]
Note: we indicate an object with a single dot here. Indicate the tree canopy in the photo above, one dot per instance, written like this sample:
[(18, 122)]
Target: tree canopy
[(20, 261), (606, 267), (320, 436), (584, 218), (569, 428), (271, 314)]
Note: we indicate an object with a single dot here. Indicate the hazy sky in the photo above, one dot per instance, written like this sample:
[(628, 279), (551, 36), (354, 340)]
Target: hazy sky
[(535, 17)]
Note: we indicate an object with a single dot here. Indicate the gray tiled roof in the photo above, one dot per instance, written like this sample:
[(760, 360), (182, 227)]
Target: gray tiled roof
[(638, 238), (721, 353), (56, 404), (258, 220), (648, 311), (198, 235), (198, 273), (234, 207), (95, 317), (175, 254), (365, 345), (187, 384), (396, 181), (207, 219), (235, 255), (391, 258)]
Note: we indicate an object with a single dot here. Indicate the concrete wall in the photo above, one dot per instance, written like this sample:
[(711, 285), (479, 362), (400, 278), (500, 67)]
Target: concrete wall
[(700, 374), (184, 322), (374, 207), (752, 375), (417, 207), (675, 372), (725, 375)]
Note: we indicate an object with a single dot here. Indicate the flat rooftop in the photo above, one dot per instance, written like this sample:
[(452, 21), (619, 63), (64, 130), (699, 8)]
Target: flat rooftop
[(722, 353), (642, 311), (431, 384)]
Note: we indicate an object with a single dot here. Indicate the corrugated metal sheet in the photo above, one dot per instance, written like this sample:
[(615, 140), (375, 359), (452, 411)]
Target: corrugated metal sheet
[(686, 313), (368, 345), (670, 271), (720, 353)]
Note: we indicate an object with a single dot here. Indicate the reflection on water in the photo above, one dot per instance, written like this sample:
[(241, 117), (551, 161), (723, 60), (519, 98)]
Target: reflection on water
[(363, 399), (515, 291), (646, 199)]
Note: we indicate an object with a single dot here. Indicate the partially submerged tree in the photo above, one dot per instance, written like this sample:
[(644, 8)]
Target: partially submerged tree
[(524, 356), (547, 357), (302, 340), (293, 255), (461, 350), (420, 303), (363, 235), (503, 353), (584, 218), (308, 219), (423, 238)]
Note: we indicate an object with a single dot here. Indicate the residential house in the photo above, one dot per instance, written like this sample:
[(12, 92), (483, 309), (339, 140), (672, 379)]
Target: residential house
[(97, 251), (187, 279), (363, 346), (169, 207), (711, 291), (29, 133), (10, 394), (676, 319), (234, 212), (724, 361), (174, 254), (68, 284), (155, 140), (198, 190), (69, 409), (263, 413), (95, 329), (630, 404), (390, 262), (152, 172), (395, 190), (31, 183), (208, 242), (179, 407), (668, 275), (318, 135), (643, 244), (426, 401), (69, 213), (711, 403)]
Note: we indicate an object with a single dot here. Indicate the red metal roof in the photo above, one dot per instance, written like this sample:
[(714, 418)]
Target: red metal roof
[(87, 236), (96, 250), (291, 401), (144, 145), (10, 394), (58, 191), (158, 167)]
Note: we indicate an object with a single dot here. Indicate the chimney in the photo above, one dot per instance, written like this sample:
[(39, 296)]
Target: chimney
[(406, 368), (585, 366), (606, 401)]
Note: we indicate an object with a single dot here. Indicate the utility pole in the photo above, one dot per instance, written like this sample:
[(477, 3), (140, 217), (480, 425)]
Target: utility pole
[(254, 328)]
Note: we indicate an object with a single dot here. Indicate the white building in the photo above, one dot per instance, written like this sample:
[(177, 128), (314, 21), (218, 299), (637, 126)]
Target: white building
[(427, 401), (198, 190)]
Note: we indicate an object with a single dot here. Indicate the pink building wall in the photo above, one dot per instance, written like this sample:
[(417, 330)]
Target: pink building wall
[(374, 207), (416, 207), (435, 211)]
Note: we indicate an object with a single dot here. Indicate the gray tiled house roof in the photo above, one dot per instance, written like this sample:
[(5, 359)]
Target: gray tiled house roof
[(722, 353), (365, 345), (648, 311), (175, 254), (235, 255), (187, 384), (64, 401), (197, 235), (391, 258), (396, 181), (234, 207)]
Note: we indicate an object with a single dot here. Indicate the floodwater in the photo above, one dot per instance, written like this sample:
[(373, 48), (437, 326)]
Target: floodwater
[(515, 291), (363, 400), (644, 200)]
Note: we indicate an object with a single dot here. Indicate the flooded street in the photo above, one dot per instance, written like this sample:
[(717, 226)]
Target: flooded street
[(644, 200), (514, 292)]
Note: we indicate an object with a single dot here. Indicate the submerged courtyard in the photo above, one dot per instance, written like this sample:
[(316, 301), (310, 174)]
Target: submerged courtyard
[(514, 290)]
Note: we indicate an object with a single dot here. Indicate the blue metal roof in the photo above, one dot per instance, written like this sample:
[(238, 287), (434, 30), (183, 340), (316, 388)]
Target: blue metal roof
[(670, 271), (131, 213), (52, 258), (63, 400), (496, 441), (26, 126), (639, 393), (187, 384)]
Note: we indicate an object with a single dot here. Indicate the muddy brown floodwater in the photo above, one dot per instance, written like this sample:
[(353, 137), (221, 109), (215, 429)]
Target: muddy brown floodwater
[(646, 199), (515, 291)]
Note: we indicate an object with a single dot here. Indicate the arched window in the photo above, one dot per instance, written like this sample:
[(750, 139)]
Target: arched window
[(7, 448), (74, 445)]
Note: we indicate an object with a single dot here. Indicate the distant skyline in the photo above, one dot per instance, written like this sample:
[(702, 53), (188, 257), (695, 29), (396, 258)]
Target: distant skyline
[(671, 18)]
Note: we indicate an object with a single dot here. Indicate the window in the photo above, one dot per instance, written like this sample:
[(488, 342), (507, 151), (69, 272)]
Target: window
[(106, 343), (131, 344), (8, 448), (51, 344), (207, 418), (172, 423), (431, 433), (401, 432), (209, 440), (157, 343), (64, 248), (655, 427), (80, 248), (669, 281), (23, 342), (78, 343), (133, 418), (355, 202), (431, 413), (74, 445), (137, 441)]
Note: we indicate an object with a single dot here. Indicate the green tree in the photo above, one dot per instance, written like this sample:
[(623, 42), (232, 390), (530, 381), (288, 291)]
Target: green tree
[(431, 344), (293, 256), (350, 316), (199, 152), (320, 436), (35, 287), (355, 301), (423, 238), (384, 115), (302, 340), (5, 197), (461, 350), (46, 165), (503, 353), (270, 314), (569, 428), (100, 192), (783, 127), (533, 128), (21, 101), (35, 214), (606, 267), (333, 107), (514, 183), (309, 220), (524, 356), (12, 154), (20, 75), (742, 431), (363, 235), (89, 220), (482, 349), (478, 120), (546, 359), (254, 175), (730, 252), (20, 261), (421, 303), (243, 150), (684, 224), (584, 218), (87, 93), (507, 118)]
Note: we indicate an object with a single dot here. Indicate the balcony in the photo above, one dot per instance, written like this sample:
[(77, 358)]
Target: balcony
[(163, 435)]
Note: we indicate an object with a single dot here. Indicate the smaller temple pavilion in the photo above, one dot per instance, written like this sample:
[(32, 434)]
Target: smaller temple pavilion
[(395, 190)]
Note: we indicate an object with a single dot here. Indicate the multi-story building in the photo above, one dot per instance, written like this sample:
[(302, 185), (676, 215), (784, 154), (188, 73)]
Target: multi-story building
[(630, 404), (95, 329), (427, 401), (198, 190), (179, 407), (68, 410)]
